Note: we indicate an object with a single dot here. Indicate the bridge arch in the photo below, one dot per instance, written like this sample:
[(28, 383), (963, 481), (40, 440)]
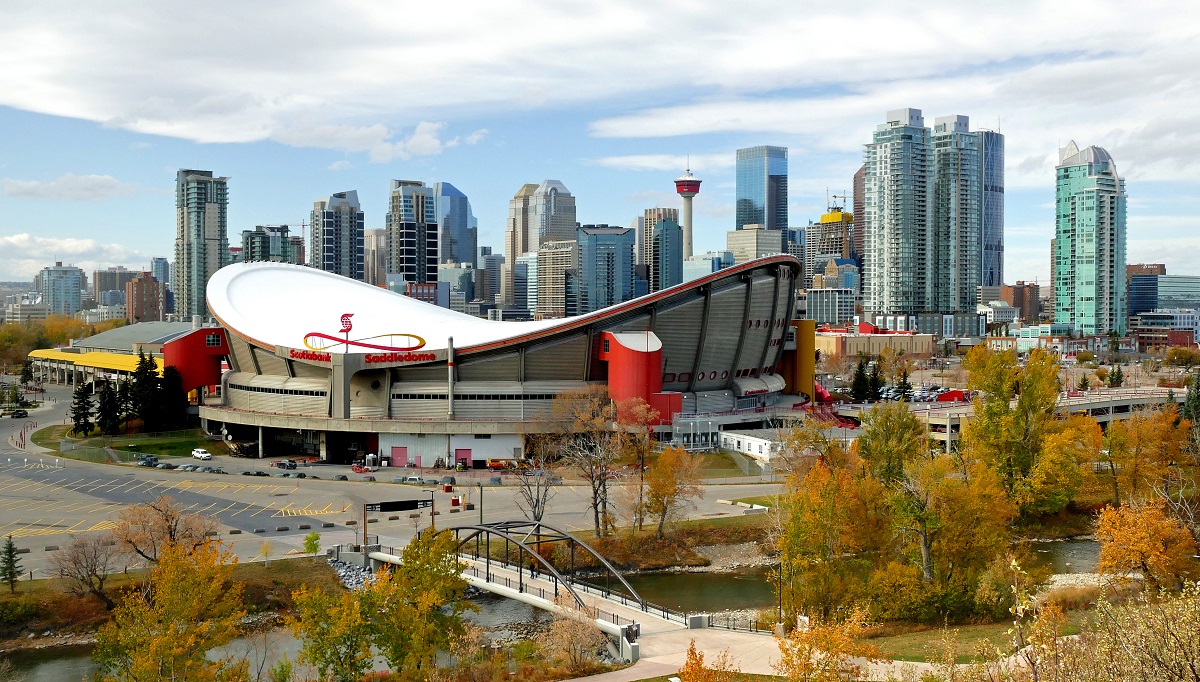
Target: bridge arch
[(523, 534)]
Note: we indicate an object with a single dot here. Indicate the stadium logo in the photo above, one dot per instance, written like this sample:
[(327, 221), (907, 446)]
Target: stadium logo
[(393, 343)]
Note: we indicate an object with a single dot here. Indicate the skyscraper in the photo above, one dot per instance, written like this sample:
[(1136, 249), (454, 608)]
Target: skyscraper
[(61, 287), (111, 279), (412, 232), (857, 241), (956, 242), (145, 299), (992, 166), (1089, 286), (337, 235), (459, 228), (554, 259), (525, 282), (605, 268), (375, 257), (650, 219), (829, 238), (762, 187), (160, 268), (666, 255), (537, 214), (201, 237), (897, 227)]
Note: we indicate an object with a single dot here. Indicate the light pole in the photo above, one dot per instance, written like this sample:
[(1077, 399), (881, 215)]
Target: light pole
[(480, 503), (432, 511)]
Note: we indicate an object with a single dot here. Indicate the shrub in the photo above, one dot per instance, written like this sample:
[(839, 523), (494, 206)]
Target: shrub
[(20, 610)]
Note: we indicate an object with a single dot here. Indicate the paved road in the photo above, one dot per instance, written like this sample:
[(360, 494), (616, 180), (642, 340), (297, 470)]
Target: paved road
[(45, 499)]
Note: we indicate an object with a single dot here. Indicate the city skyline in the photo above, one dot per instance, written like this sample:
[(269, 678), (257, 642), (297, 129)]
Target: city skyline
[(104, 126)]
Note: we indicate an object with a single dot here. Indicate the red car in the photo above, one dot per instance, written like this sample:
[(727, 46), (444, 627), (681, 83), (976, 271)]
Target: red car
[(359, 469)]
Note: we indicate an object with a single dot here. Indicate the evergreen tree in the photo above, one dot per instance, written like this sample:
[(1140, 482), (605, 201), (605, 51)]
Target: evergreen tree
[(174, 398), (1085, 383), (125, 402), (108, 410), (860, 387), (145, 392), (27, 371), (903, 386), (1116, 378), (10, 564), (876, 382), (82, 410), (1191, 401)]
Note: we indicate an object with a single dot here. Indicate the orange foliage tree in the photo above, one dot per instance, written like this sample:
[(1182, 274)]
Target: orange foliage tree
[(694, 670), (1145, 540)]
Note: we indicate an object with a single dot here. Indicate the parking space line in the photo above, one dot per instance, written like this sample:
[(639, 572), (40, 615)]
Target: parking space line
[(264, 509), (249, 506)]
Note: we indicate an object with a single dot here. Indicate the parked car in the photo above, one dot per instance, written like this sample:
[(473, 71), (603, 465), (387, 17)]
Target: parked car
[(247, 473), (342, 477), (300, 474), (185, 467), (201, 454), (360, 469), (165, 465), (368, 478), (449, 480), (285, 464), (145, 463), (18, 414), (261, 473), (216, 470)]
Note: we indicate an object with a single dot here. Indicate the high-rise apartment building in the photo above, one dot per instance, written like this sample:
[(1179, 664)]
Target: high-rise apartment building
[(375, 257), (270, 243), (337, 235), (666, 255), (61, 287), (413, 237), (554, 259), (111, 279), (536, 215), (458, 226), (1089, 286), (762, 187), (897, 219), (1025, 296), (525, 282), (933, 214), (201, 237), (145, 299), (487, 286), (651, 217), (604, 273), (857, 240)]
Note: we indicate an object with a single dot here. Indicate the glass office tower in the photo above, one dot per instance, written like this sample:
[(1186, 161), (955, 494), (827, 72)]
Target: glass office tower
[(762, 192)]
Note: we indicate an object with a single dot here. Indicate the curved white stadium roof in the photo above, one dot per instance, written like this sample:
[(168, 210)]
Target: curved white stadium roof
[(277, 304)]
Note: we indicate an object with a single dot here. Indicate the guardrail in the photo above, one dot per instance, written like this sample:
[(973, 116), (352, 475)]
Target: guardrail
[(541, 593)]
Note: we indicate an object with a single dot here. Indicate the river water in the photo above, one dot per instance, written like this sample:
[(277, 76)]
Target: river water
[(682, 591)]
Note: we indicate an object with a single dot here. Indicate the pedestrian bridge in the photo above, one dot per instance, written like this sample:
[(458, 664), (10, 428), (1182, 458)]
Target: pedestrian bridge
[(539, 565)]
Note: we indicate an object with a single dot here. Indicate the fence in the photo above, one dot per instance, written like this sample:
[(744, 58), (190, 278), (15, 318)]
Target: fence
[(744, 624), (92, 454)]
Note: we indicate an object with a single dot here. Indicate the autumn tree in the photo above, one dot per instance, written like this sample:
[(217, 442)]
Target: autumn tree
[(806, 441), (891, 436), (827, 650), (86, 564), (638, 418), (189, 606), (671, 483), (334, 634), (147, 529), (535, 492), (1055, 476), (1009, 436), (590, 444), (573, 638), (1142, 447), (719, 670), (1145, 540), (415, 608)]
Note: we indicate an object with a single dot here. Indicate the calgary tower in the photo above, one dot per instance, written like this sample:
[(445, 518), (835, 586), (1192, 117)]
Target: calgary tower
[(687, 186)]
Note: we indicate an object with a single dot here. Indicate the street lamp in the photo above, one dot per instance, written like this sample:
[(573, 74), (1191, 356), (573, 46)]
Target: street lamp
[(432, 511), (480, 484)]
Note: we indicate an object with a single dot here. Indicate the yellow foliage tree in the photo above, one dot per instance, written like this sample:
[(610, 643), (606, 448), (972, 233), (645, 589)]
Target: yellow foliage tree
[(826, 651), (334, 634), (891, 436), (671, 483), (1145, 540), (189, 606), (1142, 447), (1055, 476), (694, 670)]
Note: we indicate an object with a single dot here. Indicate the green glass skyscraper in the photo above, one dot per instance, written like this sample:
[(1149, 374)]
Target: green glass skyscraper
[(1089, 245)]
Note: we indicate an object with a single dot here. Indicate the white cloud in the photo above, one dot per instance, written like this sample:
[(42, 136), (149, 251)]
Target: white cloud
[(69, 187), (476, 136), (24, 255), (668, 162), (340, 165)]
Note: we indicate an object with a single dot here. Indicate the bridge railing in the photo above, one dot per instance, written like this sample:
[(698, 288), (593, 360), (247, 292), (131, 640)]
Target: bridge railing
[(547, 595), (745, 624)]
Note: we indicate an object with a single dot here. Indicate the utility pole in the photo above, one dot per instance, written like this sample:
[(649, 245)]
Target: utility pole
[(481, 503)]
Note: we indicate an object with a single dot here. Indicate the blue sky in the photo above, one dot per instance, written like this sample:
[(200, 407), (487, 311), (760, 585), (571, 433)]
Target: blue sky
[(102, 103)]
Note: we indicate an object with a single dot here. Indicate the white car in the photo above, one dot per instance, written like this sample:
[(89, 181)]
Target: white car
[(201, 453)]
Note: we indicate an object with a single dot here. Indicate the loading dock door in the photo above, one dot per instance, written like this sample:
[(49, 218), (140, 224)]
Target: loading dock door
[(399, 456), (462, 456)]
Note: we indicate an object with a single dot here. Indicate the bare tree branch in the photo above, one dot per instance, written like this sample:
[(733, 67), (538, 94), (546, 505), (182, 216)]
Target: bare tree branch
[(86, 564)]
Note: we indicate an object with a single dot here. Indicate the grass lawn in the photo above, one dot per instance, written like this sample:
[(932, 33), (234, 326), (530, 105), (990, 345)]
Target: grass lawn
[(718, 465), (926, 644), (49, 436), (763, 500), (177, 444)]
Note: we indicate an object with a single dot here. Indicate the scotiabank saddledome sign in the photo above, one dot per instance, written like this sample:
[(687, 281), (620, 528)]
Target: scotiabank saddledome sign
[(399, 347)]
